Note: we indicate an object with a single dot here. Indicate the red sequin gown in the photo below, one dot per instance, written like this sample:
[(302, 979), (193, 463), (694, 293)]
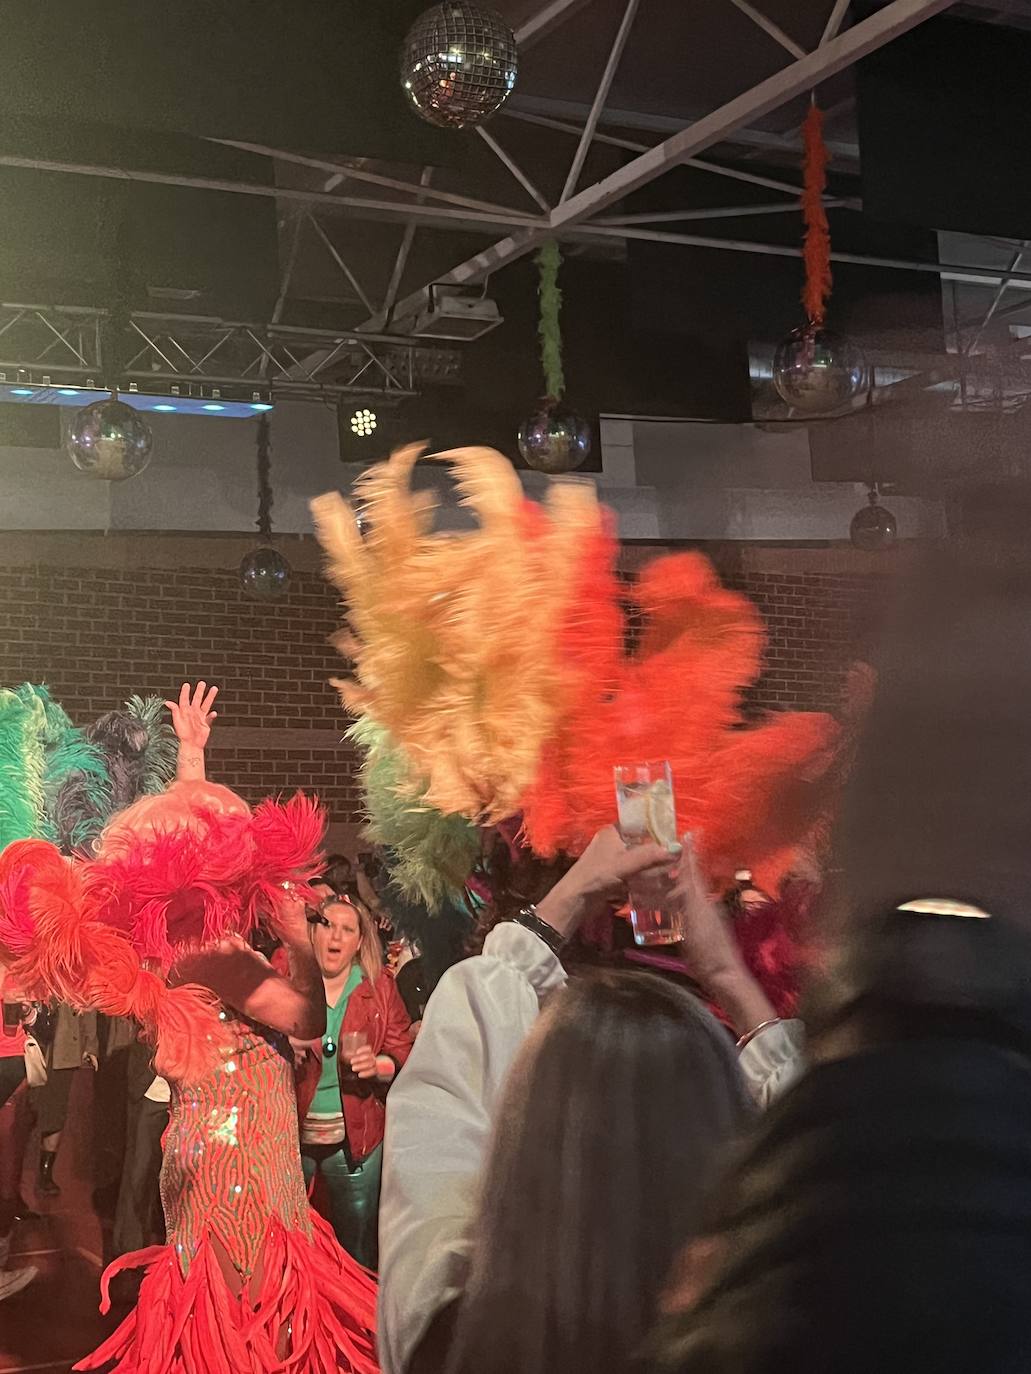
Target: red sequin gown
[(234, 1195)]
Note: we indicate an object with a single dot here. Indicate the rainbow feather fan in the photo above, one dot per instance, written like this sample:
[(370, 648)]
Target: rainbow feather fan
[(495, 663)]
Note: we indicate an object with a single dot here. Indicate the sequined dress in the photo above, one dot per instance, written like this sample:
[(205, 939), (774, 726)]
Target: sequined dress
[(234, 1199)]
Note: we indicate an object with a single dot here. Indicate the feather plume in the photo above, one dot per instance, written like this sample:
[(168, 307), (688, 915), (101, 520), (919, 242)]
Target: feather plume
[(431, 855), (453, 636), (490, 678), (76, 793), (161, 750), (22, 723)]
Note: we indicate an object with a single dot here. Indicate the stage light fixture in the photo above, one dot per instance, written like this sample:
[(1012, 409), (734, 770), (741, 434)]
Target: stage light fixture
[(364, 423)]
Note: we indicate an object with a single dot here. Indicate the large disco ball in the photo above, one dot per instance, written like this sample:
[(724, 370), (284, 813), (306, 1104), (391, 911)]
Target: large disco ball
[(110, 441), (458, 64), (265, 573), (873, 528), (818, 372), (554, 438)]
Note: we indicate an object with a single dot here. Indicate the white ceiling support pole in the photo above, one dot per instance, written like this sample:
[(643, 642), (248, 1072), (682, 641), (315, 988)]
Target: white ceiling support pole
[(513, 167), (401, 261), (337, 257), (782, 207), (546, 19), (835, 20), (600, 97), (323, 164), (769, 27)]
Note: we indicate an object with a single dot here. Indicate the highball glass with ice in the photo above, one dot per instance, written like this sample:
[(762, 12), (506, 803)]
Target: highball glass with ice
[(647, 813)]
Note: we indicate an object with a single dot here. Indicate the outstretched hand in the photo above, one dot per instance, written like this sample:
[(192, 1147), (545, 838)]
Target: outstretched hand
[(192, 715)]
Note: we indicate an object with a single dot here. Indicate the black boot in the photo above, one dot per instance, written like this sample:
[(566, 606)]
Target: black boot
[(45, 1185)]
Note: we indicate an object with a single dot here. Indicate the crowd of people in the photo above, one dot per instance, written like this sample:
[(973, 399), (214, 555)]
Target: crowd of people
[(546, 1157)]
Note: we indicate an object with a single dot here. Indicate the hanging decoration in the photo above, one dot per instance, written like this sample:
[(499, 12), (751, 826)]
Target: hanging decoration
[(109, 440), (873, 528), (264, 572), (815, 371), (458, 64), (554, 439)]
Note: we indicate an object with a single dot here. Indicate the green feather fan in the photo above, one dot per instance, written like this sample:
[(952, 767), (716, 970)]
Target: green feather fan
[(76, 789), (161, 752), (432, 854), (22, 723)]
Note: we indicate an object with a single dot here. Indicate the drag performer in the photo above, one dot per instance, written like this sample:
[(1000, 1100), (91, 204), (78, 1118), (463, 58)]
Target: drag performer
[(153, 926)]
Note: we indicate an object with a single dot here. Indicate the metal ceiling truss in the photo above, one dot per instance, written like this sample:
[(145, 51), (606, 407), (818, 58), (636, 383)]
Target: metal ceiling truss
[(198, 356), (317, 360)]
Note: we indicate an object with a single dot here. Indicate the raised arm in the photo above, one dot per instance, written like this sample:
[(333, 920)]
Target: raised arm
[(192, 718)]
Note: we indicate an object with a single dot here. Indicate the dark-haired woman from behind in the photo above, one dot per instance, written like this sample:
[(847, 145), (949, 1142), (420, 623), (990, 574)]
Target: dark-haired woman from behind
[(549, 1148)]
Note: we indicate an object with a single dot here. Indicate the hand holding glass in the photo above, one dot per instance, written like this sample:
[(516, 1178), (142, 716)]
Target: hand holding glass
[(647, 814)]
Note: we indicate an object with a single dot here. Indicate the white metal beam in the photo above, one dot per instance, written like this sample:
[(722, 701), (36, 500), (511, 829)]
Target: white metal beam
[(510, 164), (835, 20), (545, 20), (796, 79), (450, 216), (768, 27), (345, 172), (601, 95)]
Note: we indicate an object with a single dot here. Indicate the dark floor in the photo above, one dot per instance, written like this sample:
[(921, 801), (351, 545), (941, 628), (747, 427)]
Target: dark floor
[(55, 1321)]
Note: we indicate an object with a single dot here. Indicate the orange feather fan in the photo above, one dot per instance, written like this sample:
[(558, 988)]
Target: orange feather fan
[(495, 661)]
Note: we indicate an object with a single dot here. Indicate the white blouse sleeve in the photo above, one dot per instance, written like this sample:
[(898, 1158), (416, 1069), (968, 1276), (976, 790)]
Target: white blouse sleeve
[(439, 1117), (773, 1060)]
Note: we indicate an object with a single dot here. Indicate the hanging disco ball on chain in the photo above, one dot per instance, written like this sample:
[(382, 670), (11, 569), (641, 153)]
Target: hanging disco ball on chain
[(817, 372), (554, 439), (264, 573), (458, 64), (110, 440), (873, 528)]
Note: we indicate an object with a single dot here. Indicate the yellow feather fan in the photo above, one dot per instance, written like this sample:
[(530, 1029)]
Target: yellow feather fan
[(453, 637)]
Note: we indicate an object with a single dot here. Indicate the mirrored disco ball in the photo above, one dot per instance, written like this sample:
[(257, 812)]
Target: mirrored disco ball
[(110, 441), (265, 573), (818, 372), (555, 438), (458, 64), (873, 528)]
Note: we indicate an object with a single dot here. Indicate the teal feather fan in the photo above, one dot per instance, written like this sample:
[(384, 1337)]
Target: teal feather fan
[(76, 789), (431, 854)]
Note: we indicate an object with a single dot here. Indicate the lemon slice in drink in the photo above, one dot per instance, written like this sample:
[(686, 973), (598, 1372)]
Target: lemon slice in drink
[(660, 814)]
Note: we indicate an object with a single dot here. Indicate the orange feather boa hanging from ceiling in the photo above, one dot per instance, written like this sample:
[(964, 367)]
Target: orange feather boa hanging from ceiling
[(816, 253)]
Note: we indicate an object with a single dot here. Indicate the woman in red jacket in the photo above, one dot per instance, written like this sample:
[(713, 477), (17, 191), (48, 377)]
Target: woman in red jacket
[(343, 1079)]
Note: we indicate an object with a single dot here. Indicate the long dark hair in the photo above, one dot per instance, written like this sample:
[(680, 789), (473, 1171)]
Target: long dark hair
[(615, 1120)]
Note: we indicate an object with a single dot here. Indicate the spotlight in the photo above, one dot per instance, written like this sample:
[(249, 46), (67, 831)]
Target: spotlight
[(364, 423)]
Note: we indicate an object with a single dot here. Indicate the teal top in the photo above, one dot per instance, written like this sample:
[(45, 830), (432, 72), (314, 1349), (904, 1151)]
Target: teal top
[(327, 1094)]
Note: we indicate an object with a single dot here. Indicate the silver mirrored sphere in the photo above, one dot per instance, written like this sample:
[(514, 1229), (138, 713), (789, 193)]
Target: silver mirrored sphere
[(265, 573), (817, 372), (458, 64), (110, 440), (555, 438), (873, 528)]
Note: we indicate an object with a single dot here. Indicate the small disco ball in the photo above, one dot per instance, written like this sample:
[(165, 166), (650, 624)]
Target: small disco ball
[(110, 441), (265, 573), (554, 438), (873, 528), (818, 372), (458, 64)]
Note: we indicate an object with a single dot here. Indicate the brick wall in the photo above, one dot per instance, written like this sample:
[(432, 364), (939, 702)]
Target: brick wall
[(99, 618)]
